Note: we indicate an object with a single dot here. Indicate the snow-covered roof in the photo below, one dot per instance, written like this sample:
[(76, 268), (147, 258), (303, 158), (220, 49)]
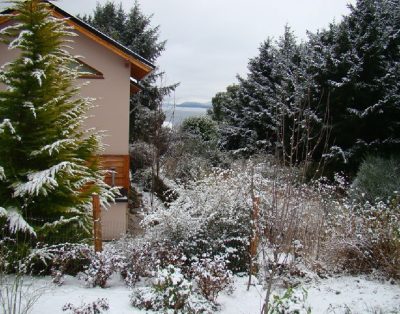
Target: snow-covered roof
[(140, 67)]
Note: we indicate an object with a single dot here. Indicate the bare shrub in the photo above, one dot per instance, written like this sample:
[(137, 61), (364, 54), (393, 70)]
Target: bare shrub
[(17, 294), (365, 238)]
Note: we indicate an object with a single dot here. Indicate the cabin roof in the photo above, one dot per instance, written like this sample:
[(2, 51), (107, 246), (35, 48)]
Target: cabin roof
[(140, 67)]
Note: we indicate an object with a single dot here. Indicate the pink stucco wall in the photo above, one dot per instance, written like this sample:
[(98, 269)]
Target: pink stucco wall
[(111, 93)]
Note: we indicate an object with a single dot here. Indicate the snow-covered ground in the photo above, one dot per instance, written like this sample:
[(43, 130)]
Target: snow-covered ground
[(343, 294)]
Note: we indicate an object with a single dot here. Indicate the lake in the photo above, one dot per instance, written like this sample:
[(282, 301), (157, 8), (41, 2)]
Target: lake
[(175, 115)]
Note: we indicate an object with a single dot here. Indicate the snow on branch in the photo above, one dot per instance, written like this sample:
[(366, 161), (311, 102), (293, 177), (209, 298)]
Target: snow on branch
[(337, 152), (31, 107), (6, 124), (2, 173), (15, 221), (61, 222), (38, 75), (8, 30), (42, 181), (54, 147), (21, 40)]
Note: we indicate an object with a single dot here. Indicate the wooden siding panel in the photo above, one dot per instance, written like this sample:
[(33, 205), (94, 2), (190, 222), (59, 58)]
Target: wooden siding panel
[(120, 164)]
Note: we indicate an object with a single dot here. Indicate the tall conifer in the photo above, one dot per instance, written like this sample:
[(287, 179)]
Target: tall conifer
[(48, 163)]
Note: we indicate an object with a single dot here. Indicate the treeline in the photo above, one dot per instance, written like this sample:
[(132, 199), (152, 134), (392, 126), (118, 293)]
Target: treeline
[(333, 98)]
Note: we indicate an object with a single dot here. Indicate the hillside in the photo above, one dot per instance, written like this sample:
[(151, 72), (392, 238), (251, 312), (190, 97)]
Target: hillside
[(192, 104)]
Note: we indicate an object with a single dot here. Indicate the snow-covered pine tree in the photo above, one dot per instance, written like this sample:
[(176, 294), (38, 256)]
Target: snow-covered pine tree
[(271, 109), (48, 163), (246, 109), (359, 71), (298, 119), (257, 95)]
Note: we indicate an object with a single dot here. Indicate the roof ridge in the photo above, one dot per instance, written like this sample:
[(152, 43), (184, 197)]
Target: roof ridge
[(120, 49), (100, 34)]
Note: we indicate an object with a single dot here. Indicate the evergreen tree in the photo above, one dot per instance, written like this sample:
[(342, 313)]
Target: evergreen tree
[(271, 109), (343, 83), (360, 65), (222, 101), (48, 163), (134, 31)]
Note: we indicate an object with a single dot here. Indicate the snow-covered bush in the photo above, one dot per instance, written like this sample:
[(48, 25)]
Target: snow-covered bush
[(144, 258), (138, 264), (377, 179), (58, 260), (202, 127), (209, 216), (141, 155), (212, 276), (185, 168), (11, 254), (102, 266), (171, 292), (365, 237), (174, 286), (192, 155), (95, 307), (291, 302)]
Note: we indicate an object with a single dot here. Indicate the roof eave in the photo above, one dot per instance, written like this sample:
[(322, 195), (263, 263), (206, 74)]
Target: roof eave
[(140, 67)]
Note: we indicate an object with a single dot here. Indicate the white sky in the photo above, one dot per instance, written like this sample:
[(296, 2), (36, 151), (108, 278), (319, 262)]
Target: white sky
[(209, 42)]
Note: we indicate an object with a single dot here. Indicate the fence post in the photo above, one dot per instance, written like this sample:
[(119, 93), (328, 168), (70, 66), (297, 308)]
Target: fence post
[(97, 234)]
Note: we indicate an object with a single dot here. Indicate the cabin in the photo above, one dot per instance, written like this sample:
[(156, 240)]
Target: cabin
[(114, 73)]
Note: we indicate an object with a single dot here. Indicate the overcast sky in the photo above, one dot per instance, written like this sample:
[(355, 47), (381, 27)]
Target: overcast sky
[(209, 42)]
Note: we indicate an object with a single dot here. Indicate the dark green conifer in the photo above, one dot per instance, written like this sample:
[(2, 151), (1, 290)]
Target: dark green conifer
[(48, 162)]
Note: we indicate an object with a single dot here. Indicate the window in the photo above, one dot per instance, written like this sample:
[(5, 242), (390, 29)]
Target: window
[(86, 71)]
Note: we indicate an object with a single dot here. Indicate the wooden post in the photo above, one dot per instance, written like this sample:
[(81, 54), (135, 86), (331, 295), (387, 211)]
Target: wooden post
[(97, 234), (254, 241), (254, 217)]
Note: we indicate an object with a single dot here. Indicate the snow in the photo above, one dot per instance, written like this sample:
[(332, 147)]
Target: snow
[(54, 147), (6, 124), (74, 291), (38, 74), (20, 40), (334, 295), (42, 181), (360, 294), (2, 173), (15, 221)]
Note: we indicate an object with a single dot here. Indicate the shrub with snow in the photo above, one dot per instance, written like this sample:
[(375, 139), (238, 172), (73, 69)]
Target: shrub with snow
[(96, 307), (102, 266), (171, 291), (139, 258), (377, 179), (291, 302), (365, 237), (212, 276), (209, 216), (58, 260)]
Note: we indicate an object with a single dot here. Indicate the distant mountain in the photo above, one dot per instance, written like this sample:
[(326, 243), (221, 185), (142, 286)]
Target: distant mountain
[(192, 104)]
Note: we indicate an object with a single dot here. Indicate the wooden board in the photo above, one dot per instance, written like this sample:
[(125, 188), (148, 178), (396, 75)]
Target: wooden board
[(120, 164)]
